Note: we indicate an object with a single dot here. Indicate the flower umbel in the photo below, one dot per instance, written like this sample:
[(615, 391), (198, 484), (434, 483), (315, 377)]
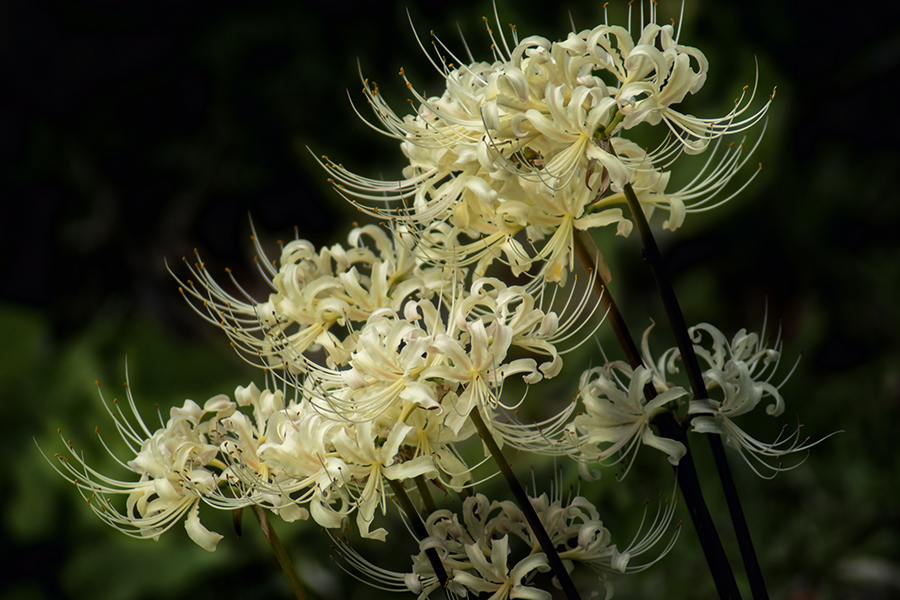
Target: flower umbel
[(619, 414), (488, 546), (740, 373), (177, 466), (534, 142)]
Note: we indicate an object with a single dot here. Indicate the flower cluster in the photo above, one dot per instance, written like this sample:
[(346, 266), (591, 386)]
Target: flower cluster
[(386, 357), (489, 547), (620, 402), (177, 466), (379, 352), (618, 417), (439, 341), (533, 142), (739, 374)]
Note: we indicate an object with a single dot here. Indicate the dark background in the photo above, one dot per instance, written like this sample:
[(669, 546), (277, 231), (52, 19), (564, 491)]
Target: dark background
[(132, 133)]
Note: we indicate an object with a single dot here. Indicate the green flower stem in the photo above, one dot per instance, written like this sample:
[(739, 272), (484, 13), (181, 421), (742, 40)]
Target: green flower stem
[(742, 530), (415, 521), (280, 553), (668, 427), (427, 500), (559, 569), (695, 376), (592, 261)]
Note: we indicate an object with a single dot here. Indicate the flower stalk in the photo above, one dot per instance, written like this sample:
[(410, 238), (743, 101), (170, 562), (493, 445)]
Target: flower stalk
[(592, 261), (553, 559), (686, 471), (425, 493), (418, 527), (653, 258), (280, 553)]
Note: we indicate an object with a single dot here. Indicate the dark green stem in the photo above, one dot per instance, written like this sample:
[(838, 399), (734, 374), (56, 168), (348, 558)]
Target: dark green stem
[(280, 553), (689, 483), (668, 427), (592, 261), (427, 500), (553, 559), (418, 526), (695, 376), (742, 531)]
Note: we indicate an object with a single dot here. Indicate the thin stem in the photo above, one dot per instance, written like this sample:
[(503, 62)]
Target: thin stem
[(559, 569), (670, 302), (280, 553), (695, 376), (592, 261), (689, 483), (422, 486), (668, 427), (742, 531), (415, 521)]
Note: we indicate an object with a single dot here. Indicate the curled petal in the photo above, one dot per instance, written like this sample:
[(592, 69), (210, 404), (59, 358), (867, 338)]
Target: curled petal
[(202, 536)]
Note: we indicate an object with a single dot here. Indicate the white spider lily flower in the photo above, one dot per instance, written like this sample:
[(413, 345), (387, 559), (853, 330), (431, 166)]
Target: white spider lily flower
[(654, 73), (618, 416), (496, 578), (177, 466), (316, 298), (385, 369), (292, 466), (430, 436), (469, 355), (402, 362), (478, 365), (369, 463), (333, 467), (575, 527), (242, 446), (742, 369), (557, 213), (739, 373), (541, 323), (477, 549)]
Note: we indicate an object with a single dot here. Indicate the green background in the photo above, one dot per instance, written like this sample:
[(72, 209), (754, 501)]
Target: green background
[(131, 134)]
